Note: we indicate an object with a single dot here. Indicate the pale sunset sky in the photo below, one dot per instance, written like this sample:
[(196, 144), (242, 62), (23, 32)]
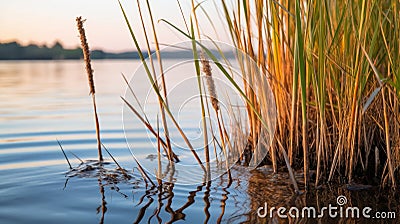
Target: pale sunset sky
[(45, 21)]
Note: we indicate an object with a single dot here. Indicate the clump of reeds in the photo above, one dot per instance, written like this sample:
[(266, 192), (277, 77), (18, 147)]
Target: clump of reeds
[(333, 68), (327, 62), (89, 71)]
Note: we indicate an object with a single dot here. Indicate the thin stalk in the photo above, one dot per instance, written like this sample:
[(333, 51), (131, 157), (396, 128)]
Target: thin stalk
[(66, 158), (97, 128), (159, 173), (165, 125), (295, 93), (143, 173), (227, 140), (300, 58), (150, 128), (198, 73), (290, 170), (115, 161), (80, 160), (163, 84), (156, 90), (387, 138), (320, 86)]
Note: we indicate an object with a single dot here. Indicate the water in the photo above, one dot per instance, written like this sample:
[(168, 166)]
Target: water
[(43, 101)]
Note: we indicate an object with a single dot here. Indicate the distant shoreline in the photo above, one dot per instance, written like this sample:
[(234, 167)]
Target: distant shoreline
[(13, 51), (72, 59)]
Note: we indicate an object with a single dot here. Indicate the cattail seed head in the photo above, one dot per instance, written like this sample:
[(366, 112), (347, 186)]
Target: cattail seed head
[(210, 83), (86, 53)]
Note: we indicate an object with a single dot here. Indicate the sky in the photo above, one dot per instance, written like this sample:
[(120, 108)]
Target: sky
[(46, 21)]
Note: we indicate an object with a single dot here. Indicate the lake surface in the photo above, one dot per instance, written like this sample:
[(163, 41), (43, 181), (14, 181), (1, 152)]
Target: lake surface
[(43, 101)]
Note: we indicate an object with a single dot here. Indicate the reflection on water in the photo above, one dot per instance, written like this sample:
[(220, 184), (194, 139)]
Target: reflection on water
[(236, 202), (44, 101)]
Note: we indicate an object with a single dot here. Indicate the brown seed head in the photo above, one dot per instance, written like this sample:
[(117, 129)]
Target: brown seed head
[(86, 53), (210, 83)]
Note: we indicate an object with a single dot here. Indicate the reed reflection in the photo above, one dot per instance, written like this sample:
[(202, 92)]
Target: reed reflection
[(224, 197), (143, 209), (260, 192), (103, 207), (164, 196), (165, 192), (222, 200)]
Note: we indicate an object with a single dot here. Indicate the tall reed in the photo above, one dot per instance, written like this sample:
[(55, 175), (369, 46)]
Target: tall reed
[(89, 71)]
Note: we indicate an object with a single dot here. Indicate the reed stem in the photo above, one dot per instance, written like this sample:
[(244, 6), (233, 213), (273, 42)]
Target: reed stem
[(89, 71)]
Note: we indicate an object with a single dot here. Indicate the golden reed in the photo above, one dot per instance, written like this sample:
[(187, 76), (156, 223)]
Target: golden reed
[(89, 70)]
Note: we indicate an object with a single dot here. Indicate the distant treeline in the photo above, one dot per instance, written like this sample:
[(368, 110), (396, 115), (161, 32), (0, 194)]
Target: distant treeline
[(15, 51)]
